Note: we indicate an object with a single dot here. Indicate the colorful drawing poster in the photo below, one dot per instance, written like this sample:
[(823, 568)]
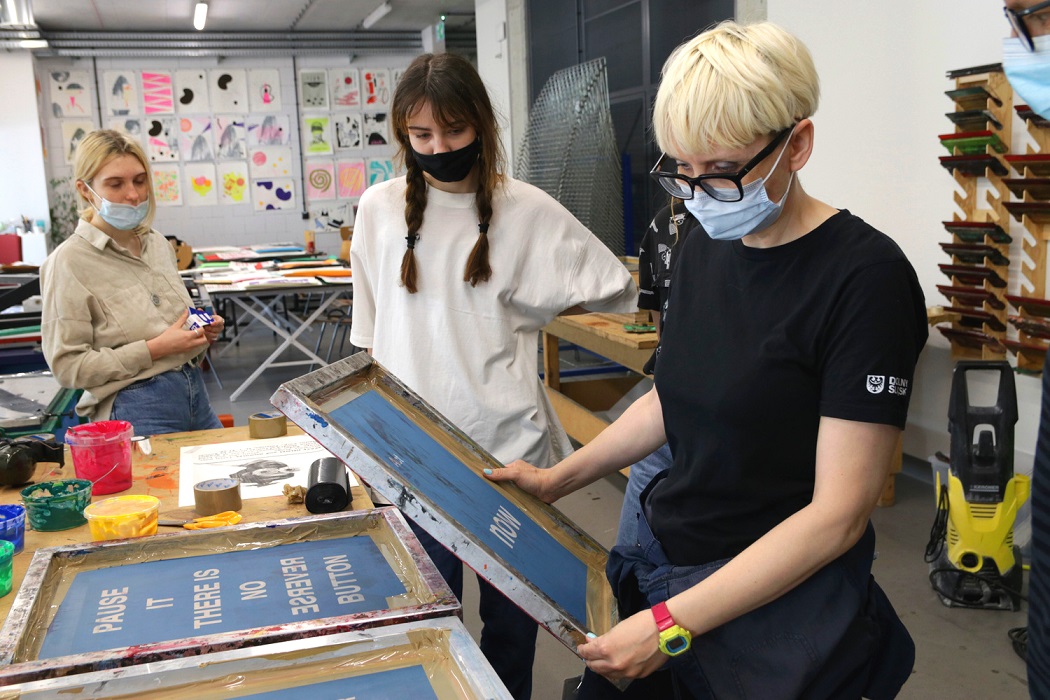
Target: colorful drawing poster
[(229, 89), (195, 141), (331, 216), (230, 137), (264, 90), (270, 161), (320, 180), (375, 130), (376, 84), (70, 93), (269, 130), (200, 189), (347, 131), (191, 91), (166, 188), (233, 182), (379, 170), (132, 126), (313, 88), (121, 90), (73, 132), (345, 86), (158, 95), (351, 178), (162, 139), (317, 135), (277, 193)]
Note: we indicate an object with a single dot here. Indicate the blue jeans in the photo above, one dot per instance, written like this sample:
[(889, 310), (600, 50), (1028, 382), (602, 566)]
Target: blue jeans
[(508, 635), (641, 474), (171, 402)]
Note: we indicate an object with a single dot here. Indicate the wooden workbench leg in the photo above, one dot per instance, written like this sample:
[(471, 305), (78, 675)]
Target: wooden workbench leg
[(551, 362)]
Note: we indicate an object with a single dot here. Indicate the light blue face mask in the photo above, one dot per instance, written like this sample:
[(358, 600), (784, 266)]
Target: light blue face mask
[(1029, 71), (731, 221), (124, 217)]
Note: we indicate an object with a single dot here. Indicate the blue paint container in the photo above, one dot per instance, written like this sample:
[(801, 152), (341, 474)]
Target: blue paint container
[(13, 526)]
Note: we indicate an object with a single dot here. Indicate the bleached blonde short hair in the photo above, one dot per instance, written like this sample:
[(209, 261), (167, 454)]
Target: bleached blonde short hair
[(731, 85)]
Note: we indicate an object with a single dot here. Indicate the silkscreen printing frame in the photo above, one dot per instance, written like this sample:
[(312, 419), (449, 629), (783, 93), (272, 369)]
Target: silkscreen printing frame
[(310, 400), (442, 646), (52, 570)]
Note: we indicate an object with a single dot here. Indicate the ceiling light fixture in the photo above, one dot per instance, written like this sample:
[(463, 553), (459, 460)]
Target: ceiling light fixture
[(200, 15), (376, 15)]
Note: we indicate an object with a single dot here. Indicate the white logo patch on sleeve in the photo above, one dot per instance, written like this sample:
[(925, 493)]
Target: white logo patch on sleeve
[(876, 383)]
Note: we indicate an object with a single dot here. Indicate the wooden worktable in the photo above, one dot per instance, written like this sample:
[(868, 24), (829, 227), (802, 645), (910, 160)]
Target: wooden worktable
[(155, 474)]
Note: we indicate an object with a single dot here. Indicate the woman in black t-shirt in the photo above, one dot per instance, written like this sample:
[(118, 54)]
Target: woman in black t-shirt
[(790, 340)]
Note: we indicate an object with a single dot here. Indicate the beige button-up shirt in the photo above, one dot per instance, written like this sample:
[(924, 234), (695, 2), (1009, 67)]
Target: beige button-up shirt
[(101, 305)]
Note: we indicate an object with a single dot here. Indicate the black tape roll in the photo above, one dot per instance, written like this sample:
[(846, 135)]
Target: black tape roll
[(328, 490)]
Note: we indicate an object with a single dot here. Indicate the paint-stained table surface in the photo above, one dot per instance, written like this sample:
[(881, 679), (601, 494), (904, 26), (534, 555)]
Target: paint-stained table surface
[(155, 474)]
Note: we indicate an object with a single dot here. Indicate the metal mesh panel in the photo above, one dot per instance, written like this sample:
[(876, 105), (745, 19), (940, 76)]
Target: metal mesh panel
[(569, 150)]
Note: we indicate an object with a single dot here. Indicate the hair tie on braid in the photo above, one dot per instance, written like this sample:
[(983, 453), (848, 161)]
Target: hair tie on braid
[(412, 238), (483, 228)]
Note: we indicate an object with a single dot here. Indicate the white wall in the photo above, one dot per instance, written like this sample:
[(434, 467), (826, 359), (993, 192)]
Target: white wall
[(23, 184), (882, 68)]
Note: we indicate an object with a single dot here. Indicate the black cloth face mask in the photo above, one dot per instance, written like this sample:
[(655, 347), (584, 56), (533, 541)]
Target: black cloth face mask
[(451, 166)]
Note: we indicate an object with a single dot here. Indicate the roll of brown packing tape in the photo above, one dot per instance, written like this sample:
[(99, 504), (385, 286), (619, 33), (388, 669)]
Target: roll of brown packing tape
[(216, 496), (267, 425)]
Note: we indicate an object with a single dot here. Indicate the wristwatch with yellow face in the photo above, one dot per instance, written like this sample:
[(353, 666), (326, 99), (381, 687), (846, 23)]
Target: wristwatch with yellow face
[(674, 639)]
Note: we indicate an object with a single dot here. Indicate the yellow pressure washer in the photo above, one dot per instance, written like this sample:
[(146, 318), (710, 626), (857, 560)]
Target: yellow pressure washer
[(973, 560)]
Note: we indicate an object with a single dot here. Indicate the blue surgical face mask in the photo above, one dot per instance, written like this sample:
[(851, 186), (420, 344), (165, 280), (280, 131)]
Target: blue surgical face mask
[(1029, 71), (124, 217), (731, 221)]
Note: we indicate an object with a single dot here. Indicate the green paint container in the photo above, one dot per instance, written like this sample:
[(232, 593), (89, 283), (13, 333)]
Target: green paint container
[(57, 505), (7, 550)]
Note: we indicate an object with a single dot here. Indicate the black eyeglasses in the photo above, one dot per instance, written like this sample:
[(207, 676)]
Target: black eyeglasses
[(725, 187), (1020, 27)]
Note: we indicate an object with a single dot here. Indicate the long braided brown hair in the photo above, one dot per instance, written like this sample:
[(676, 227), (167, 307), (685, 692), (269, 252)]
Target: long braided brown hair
[(452, 88)]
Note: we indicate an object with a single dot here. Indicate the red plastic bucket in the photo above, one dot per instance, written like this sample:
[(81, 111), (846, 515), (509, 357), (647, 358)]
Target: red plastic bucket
[(102, 454)]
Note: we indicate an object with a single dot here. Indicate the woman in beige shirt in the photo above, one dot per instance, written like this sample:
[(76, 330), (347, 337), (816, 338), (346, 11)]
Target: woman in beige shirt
[(115, 309)]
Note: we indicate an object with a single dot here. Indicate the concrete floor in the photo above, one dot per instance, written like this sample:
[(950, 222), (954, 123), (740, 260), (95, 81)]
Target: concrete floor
[(960, 653)]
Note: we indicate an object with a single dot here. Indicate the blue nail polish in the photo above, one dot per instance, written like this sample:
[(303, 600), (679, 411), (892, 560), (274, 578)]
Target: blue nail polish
[(592, 635), (488, 471)]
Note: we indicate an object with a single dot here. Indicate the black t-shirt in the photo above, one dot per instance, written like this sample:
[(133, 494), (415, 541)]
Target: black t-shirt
[(657, 254), (758, 344)]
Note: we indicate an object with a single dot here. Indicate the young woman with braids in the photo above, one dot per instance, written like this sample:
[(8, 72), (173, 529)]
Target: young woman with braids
[(457, 267)]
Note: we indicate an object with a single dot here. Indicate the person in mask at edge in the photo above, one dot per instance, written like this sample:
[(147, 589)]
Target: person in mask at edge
[(785, 369), (457, 267), (1026, 62), (114, 307)]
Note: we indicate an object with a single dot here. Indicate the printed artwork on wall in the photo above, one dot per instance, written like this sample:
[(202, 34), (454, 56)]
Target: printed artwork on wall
[(71, 93), (230, 137), (276, 193), (313, 88), (195, 138), (332, 216), (320, 180), (121, 90), (166, 188), (270, 161), (268, 130), (132, 126), (375, 130), (264, 90), (229, 90), (345, 87), (379, 170), (317, 135), (73, 132), (347, 131), (351, 178), (162, 139), (191, 91), (158, 96), (233, 182), (200, 184), (376, 84)]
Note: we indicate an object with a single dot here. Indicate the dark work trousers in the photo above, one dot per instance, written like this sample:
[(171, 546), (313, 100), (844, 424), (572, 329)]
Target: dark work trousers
[(1039, 576), (508, 636)]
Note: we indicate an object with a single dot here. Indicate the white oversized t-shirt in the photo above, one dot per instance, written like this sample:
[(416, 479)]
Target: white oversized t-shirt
[(471, 352)]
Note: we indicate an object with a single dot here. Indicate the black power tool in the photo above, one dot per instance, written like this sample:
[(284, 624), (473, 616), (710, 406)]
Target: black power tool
[(19, 456)]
